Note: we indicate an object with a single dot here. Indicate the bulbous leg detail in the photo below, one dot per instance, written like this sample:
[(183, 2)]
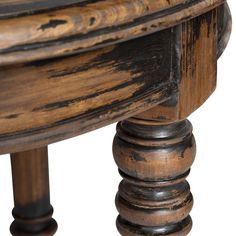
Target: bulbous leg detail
[(154, 160)]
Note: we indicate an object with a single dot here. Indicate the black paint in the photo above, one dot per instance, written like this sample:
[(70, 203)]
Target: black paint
[(52, 24)]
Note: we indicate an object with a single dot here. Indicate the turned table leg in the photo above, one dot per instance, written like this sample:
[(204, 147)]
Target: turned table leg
[(154, 159), (32, 211)]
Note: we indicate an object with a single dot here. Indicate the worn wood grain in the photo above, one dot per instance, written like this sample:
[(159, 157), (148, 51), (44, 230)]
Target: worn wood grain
[(196, 69), (49, 101), (75, 29)]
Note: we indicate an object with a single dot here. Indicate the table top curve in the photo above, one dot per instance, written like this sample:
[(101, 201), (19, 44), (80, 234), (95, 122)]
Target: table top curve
[(43, 29)]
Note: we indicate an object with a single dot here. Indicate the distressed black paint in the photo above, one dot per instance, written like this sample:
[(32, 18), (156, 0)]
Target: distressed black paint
[(52, 24)]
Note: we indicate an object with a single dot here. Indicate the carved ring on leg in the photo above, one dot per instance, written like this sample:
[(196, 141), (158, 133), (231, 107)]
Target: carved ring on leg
[(154, 159)]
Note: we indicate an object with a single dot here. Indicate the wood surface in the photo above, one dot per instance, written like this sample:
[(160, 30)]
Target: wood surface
[(48, 101), (154, 160), (155, 149), (69, 67), (10, 8), (196, 70), (224, 28), (74, 29), (32, 211)]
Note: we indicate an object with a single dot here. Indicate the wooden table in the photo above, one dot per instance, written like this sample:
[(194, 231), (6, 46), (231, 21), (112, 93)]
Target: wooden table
[(69, 67)]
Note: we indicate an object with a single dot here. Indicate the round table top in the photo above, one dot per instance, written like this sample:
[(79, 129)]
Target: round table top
[(33, 30)]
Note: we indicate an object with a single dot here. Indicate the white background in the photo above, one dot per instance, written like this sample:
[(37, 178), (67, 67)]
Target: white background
[(84, 177)]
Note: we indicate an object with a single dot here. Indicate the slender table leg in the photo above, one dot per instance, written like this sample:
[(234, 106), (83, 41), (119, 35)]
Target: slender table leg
[(32, 211), (154, 159)]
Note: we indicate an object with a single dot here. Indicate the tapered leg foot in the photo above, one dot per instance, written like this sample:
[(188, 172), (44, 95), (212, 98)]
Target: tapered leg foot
[(154, 159), (32, 211)]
